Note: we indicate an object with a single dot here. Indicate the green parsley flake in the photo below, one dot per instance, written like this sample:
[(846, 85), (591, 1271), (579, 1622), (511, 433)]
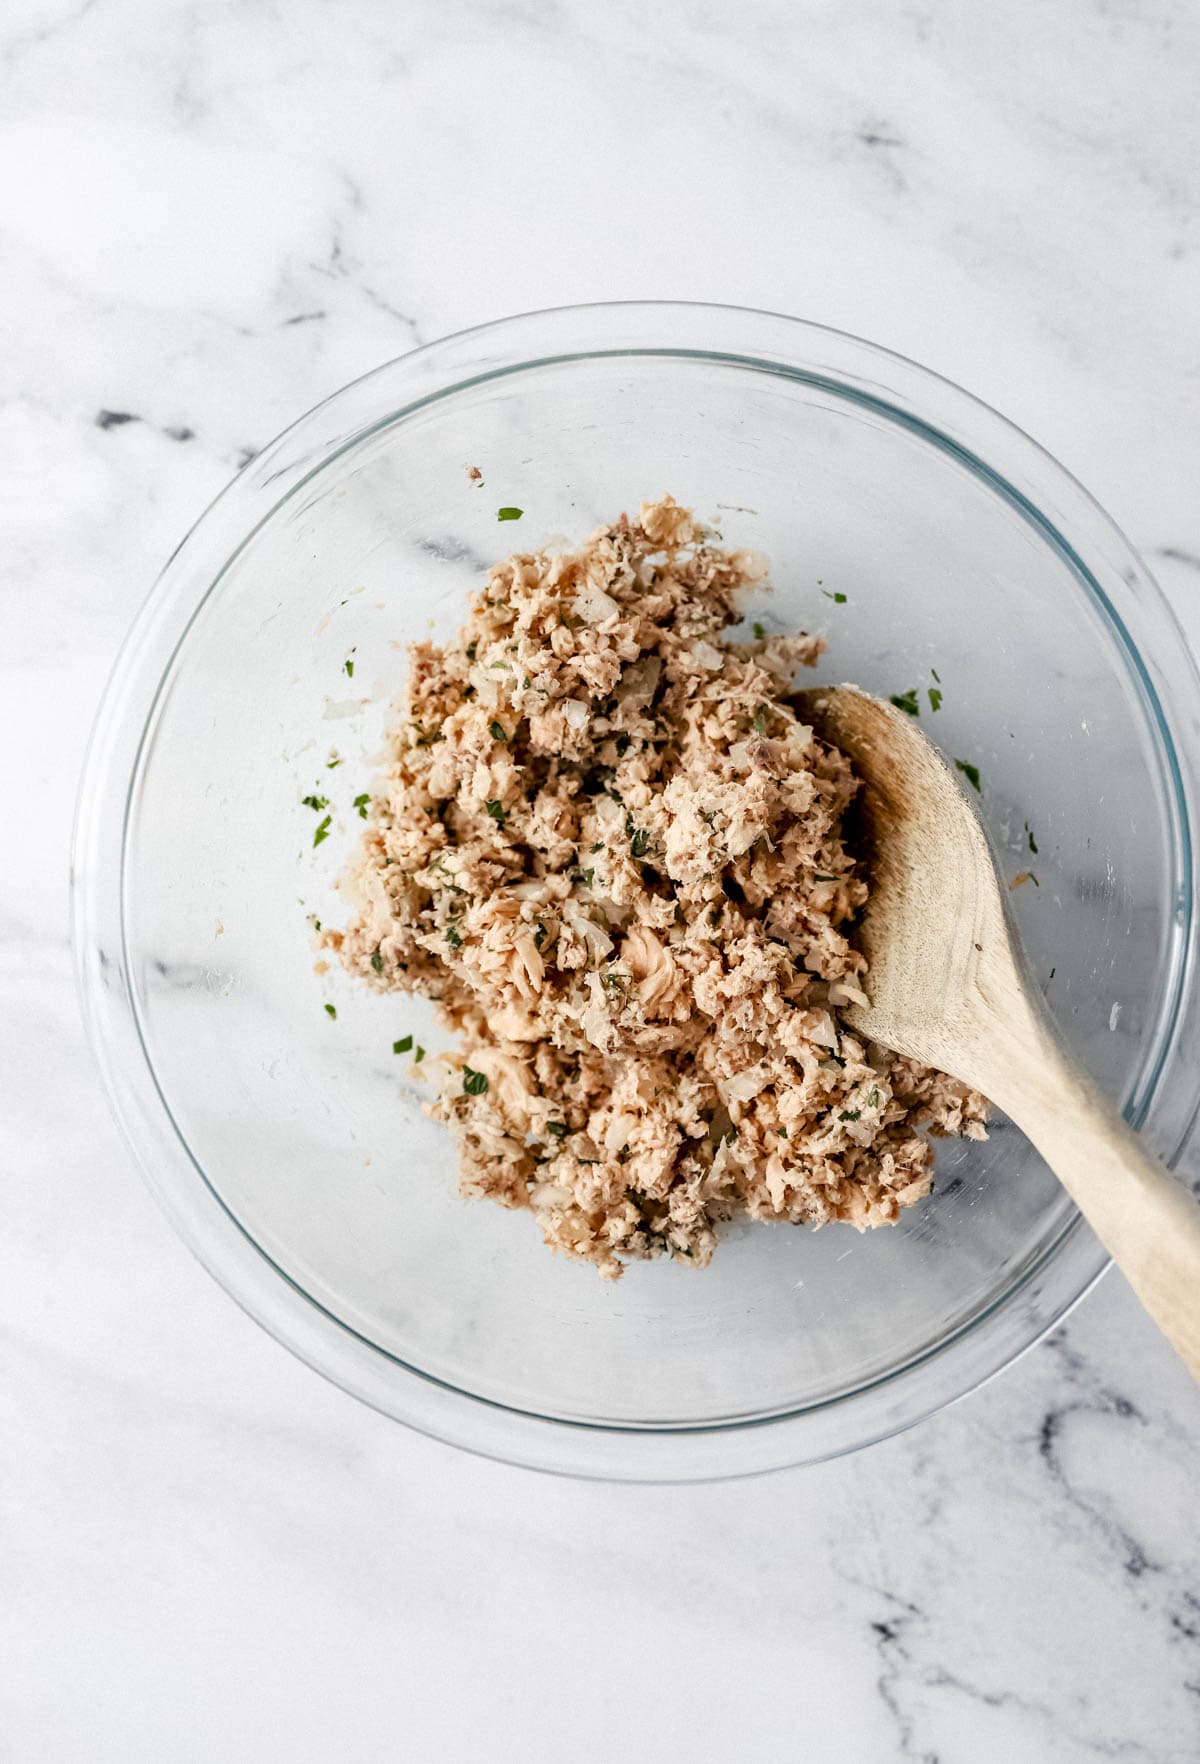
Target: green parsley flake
[(419, 1055), (936, 675), (496, 811), (907, 702), (471, 652), (508, 514), (403, 1045), (640, 843), (335, 759), (331, 1011), (348, 664), (453, 938), (935, 698), (558, 1129), (474, 1083), (839, 599), (970, 773), (362, 803), (849, 1114), (760, 720), (760, 631), (322, 831), (873, 1097), (498, 733), (315, 802), (1033, 845)]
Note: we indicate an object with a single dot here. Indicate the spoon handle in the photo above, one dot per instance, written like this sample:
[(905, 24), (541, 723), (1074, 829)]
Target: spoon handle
[(1146, 1219)]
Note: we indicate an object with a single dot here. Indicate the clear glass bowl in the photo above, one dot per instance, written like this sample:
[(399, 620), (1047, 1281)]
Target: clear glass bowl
[(290, 1148)]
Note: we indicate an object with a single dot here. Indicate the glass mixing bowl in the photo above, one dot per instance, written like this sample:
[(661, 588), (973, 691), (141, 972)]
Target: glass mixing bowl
[(290, 1147)]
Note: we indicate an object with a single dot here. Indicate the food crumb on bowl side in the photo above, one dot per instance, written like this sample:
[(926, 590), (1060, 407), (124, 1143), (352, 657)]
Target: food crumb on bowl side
[(609, 849)]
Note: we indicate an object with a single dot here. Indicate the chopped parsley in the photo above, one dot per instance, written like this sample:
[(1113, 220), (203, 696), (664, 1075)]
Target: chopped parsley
[(322, 831), (474, 1083), (849, 1114), (331, 1011), (936, 675), (1053, 972), (587, 877), (419, 1055), (873, 1097), (470, 652), (348, 664), (509, 514), (315, 802), (558, 1129), (1032, 841), (838, 598), (496, 811), (935, 698), (970, 773), (760, 631), (640, 842), (361, 803), (377, 962), (453, 938), (498, 733), (760, 720), (907, 702), (782, 1132), (403, 1045), (335, 759)]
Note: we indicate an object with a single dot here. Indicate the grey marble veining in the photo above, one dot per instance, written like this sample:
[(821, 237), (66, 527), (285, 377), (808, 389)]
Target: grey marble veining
[(210, 217)]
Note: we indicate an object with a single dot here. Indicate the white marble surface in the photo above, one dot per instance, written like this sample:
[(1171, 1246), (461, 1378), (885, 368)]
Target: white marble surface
[(211, 214)]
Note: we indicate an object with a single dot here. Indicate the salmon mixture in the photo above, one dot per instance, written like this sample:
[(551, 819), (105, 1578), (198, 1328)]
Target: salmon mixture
[(611, 850)]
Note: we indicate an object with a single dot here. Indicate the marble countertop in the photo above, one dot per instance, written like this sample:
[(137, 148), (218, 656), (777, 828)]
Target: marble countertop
[(211, 216)]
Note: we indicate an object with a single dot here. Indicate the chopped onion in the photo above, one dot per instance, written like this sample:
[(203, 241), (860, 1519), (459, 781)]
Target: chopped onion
[(594, 606), (744, 1085), (618, 1131), (844, 992), (598, 940), (488, 682), (548, 1194)]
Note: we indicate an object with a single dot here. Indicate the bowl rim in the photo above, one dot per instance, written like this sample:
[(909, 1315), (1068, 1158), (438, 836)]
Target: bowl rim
[(1063, 514)]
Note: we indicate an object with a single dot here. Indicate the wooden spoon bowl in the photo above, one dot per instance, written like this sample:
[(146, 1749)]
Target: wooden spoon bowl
[(949, 986)]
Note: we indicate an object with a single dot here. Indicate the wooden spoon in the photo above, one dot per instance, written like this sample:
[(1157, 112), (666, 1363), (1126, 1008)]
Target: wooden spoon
[(949, 987)]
